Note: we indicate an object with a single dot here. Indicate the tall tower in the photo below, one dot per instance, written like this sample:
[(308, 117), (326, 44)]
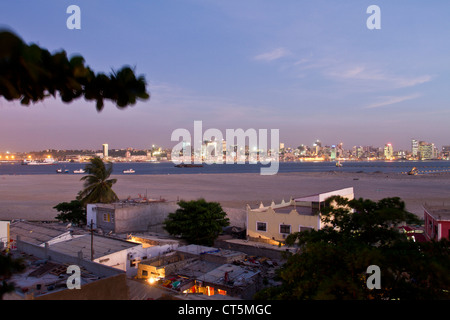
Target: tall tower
[(414, 147), (105, 150), (388, 151)]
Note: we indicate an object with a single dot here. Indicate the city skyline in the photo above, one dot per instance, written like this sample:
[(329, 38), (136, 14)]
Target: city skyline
[(311, 70)]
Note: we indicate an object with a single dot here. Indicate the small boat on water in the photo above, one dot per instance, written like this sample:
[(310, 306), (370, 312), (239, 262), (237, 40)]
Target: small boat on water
[(338, 164), (129, 171), (79, 171), (46, 161), (61, 171), (185, 165), (414, 171)]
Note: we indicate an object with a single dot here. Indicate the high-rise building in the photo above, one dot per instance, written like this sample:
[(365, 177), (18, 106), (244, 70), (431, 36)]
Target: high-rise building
[(446, 152), (333, 152), (414, 147), (425, 150), (105, 150), (388, 151)]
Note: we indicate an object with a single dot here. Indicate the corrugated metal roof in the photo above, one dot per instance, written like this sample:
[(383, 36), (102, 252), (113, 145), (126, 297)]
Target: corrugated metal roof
[(33, 233)]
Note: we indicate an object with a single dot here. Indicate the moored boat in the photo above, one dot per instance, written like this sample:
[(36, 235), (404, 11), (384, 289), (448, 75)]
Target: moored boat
[(185, 165)]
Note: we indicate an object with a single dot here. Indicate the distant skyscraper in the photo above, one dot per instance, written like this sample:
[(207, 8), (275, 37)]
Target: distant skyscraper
[(333, 152), (105, 150), (446, 152), (388, 151), (426, 150), (414, 147)]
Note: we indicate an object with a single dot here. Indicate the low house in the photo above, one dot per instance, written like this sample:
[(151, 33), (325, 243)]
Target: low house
[(437, 222), (273, 223)]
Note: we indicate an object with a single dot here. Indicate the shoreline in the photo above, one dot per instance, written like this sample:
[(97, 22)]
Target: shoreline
[(32, 197)]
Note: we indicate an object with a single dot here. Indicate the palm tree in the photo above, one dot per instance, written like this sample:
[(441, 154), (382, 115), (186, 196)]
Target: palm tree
[(97, 185)]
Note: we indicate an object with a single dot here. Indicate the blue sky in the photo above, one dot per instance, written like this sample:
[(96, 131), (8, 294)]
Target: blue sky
[(311, 69)]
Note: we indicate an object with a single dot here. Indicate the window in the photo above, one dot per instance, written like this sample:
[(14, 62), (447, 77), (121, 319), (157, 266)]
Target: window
[(285, 228), (108, 217), (302, 228), (144, 273), (261, 226)]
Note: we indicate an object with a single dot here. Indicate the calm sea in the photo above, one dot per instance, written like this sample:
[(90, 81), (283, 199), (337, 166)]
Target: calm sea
[(284, 167)]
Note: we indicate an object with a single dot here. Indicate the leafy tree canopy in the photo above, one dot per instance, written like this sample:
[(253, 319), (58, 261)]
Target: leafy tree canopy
[(197, 221), (331, 263), (30, 73), (73, 212)]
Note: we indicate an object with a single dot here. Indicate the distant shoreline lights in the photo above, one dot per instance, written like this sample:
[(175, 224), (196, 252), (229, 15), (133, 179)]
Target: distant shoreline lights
[(231, 150)]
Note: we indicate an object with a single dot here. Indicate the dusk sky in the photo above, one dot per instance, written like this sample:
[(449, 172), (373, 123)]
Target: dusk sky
[(311, 69)]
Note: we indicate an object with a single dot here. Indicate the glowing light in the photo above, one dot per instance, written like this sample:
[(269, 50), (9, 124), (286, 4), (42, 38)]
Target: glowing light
[(151, 280)]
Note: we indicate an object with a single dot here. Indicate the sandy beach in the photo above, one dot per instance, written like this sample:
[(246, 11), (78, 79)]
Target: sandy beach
[(32, 197)]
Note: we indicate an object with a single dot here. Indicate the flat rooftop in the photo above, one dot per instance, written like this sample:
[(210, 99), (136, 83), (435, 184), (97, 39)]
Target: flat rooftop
[(129, 203), (102, 246), (229, 274), (201, 250), (438, 212), (43, 276), (35, 233)]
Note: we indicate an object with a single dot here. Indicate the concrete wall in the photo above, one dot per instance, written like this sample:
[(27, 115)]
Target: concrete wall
[(142, 217), (164, 265), (237, 216), (4, 233)]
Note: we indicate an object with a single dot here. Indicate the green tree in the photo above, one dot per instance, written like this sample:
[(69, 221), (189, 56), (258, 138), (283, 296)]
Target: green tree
[(331, 263), (97, 183), (30, 73), (73, 212), (197, 221), (8, 266)]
